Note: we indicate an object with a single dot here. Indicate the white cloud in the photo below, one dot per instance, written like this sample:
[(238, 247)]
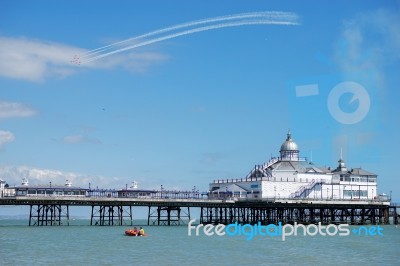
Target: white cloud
[(369, 41), (13, 175), (6, 136), (36, 60), (73, 139), (10, 110), (137, 62), (78, 139), (14, 109)]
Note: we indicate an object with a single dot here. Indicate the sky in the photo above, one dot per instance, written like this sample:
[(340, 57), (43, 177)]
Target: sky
[(182, 110)]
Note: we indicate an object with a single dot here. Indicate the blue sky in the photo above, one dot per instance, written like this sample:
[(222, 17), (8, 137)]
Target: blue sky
[(187, 110)]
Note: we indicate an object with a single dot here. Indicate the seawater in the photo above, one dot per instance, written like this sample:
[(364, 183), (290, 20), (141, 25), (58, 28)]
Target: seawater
[(80, 244)]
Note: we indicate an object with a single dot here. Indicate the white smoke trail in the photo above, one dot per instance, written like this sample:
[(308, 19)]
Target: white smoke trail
[(159, 39), (289, 16), (277, 18)]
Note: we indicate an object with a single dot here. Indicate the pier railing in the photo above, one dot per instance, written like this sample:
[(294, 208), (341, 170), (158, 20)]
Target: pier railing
[(78, 200), (264, 178)]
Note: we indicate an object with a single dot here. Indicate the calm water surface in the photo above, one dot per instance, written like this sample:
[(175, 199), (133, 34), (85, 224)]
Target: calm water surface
[(92, 245)]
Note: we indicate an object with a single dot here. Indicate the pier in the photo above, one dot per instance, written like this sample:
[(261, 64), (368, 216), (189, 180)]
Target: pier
[(285, 189), (175, 210)]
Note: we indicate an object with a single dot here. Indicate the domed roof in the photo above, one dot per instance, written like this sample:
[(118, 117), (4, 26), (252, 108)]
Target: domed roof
[(289, 144)]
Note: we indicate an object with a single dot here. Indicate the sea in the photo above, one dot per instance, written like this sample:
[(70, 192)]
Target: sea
[(82, 244)]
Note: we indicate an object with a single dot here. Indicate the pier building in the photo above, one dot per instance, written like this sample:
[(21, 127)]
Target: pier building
[(289, 176), (2, 187), (25, 189)]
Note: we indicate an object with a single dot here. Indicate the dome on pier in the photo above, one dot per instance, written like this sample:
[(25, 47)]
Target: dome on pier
[(289, 149)]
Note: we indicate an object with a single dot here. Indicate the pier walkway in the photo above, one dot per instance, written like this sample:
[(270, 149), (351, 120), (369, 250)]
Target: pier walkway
[(108, 211)]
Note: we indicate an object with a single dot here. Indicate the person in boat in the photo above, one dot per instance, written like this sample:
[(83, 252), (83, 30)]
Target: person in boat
[(135, 231), (141, 231)]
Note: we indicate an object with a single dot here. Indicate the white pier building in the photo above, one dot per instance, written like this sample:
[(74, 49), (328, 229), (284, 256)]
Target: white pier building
[(291, 177)]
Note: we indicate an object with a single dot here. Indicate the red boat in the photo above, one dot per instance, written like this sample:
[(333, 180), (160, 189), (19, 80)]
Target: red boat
[(133, 232)]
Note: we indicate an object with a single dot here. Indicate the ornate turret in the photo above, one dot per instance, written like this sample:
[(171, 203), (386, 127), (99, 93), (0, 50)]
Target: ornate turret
[(134, 185), (289, 149), (342, 165), (25, 182)]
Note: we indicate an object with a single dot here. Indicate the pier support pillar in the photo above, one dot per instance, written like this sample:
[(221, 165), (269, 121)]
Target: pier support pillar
[(111, 215), (48, 215), (169, 215), (386, 216)]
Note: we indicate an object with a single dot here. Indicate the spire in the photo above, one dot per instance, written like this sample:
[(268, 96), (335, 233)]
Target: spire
[(342, 165), (289, 135)]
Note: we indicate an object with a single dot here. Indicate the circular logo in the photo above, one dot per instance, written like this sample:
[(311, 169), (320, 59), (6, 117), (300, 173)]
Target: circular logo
[(359, 93)]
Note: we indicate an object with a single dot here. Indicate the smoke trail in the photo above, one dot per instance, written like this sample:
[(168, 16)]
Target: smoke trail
[(194, 23), (275, 15), (218, 26), (277, 18)]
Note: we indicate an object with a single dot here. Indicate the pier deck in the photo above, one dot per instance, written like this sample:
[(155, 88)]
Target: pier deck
[(53, 210)]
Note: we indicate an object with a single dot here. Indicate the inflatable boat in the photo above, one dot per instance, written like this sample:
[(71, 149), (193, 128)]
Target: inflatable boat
[(131, 232)]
